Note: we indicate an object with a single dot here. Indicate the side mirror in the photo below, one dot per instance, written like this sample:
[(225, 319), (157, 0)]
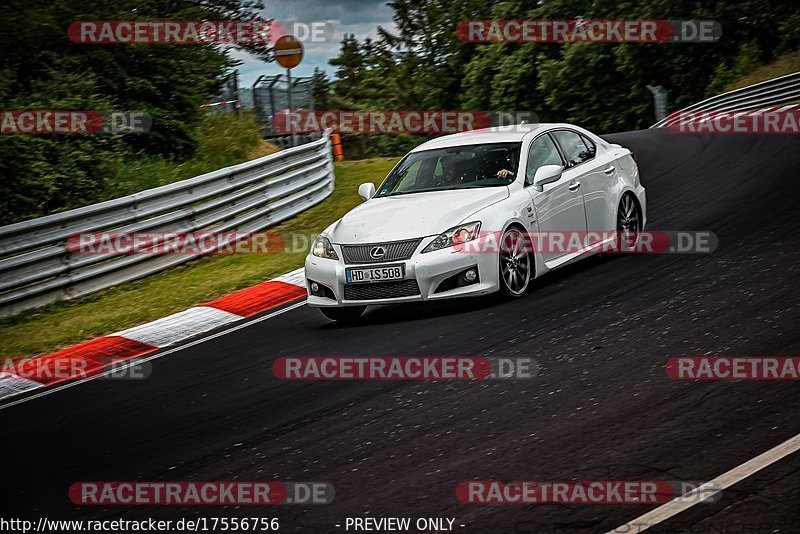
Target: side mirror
[(547, 174), (366, 190)]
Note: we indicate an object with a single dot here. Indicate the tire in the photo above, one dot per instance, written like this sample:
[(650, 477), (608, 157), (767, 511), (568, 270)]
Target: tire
[(629, 224), (347, 314), (516, 264)]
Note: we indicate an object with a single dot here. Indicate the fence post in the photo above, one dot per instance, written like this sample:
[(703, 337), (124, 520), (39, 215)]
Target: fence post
[(336, 143)]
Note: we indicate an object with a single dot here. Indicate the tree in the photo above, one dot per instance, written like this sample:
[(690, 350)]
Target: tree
[(42, 69), (350, 70), (423, 65), (322, 90)]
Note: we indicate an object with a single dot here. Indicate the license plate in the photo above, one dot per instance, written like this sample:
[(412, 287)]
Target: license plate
[(382, 273)]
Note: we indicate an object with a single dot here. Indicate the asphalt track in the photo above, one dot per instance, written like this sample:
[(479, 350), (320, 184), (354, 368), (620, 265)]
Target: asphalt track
[(602, 406)]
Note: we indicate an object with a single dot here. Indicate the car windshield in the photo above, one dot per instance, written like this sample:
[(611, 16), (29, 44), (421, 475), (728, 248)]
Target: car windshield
[(459, 167)]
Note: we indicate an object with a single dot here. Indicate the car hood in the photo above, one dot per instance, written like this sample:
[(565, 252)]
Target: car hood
[(413, 215)]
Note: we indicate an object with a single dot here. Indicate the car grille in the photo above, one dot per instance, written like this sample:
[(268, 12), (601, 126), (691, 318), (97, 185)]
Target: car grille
[(395, 250), (381, 290)]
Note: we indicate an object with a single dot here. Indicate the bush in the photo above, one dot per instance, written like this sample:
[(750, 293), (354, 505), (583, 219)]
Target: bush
[(40, 69), (42, 175), (222, 140)]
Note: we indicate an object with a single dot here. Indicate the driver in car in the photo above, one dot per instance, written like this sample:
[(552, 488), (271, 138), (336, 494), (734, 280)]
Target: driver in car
[(452, 171), (451, 174), (510, 163)]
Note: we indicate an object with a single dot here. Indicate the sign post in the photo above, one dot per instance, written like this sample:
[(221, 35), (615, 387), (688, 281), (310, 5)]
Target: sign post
[(289, 54)]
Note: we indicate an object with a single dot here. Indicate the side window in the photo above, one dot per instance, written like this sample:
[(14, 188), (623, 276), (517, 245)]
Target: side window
[(590, 146), (542, 152), (574, 148)]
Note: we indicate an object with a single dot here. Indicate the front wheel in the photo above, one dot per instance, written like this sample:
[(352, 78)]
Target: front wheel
[(515, 264), (348, 314), (629, 224)]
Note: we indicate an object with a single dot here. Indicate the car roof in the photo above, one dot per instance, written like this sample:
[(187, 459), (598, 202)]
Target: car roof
[(498, 134)]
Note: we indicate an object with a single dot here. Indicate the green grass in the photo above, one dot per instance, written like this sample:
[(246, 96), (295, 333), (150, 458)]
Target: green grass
[(222, 140), (780, 66), (66, 323)]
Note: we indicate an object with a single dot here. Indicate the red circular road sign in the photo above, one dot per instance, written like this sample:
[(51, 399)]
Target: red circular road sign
[(288, 51)]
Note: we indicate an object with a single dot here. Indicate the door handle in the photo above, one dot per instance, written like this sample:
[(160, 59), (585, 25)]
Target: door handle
[(575, 186), (609, 170)]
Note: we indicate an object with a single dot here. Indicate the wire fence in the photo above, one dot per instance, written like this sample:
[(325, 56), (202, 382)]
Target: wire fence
[(270, 95)]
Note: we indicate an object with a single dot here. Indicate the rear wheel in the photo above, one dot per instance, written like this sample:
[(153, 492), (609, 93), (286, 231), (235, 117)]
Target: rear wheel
[(348, 314), (515, 263)]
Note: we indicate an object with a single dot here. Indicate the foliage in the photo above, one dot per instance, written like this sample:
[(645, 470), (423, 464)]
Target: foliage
[(600, 86), (781, 66), (223, 139), (41, 69), (746, 62)]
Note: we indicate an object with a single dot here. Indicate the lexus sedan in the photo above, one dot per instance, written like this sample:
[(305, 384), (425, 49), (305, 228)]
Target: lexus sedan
[(458, 215)]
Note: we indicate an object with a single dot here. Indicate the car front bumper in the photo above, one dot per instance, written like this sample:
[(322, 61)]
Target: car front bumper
[(429, 270)]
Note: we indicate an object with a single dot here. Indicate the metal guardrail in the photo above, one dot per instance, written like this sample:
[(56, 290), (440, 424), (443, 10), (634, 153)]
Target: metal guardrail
[(783, 90), (285, 141), (37, 267)]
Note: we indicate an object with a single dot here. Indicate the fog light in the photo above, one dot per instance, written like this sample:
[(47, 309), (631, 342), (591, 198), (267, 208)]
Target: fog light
[(471, 275), (314, 287)]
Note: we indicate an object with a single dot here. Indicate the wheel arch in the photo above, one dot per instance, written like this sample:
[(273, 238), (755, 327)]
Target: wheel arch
[(538, 263), (630, 192)]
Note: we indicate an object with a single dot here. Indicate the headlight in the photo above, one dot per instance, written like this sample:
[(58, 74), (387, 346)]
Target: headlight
[(455, 236), (323, 249)]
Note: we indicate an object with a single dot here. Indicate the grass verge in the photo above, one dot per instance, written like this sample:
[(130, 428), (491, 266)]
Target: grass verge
[(222, 140), (66, 323), (780, 66)]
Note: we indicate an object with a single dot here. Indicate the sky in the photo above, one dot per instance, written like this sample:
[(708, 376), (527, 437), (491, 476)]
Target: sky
[(360, 17)]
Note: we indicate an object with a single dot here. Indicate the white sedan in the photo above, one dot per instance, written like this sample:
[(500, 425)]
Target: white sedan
[(457, 217)]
